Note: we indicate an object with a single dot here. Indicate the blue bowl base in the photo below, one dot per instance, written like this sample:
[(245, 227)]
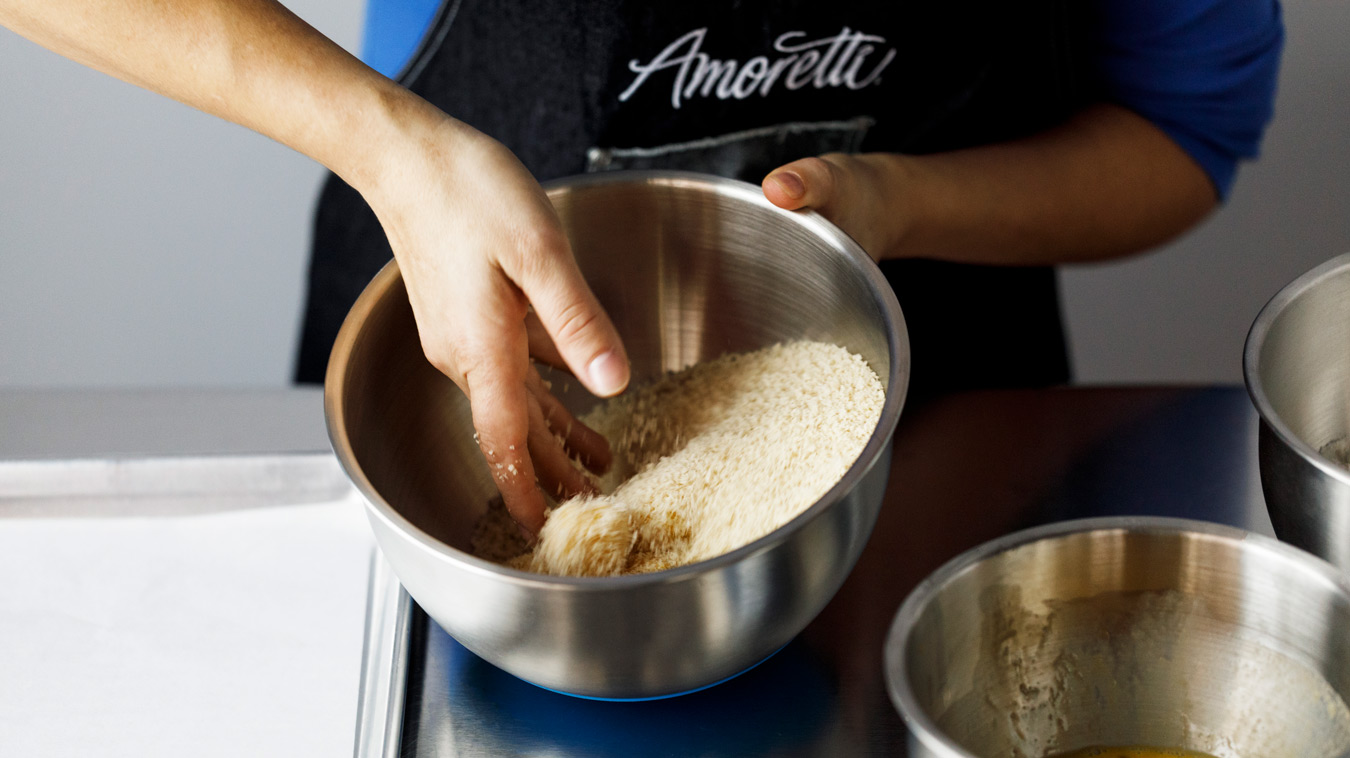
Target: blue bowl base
[(659, 697)]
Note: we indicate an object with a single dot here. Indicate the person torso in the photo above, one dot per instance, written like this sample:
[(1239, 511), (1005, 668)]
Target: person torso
[(736, 89)]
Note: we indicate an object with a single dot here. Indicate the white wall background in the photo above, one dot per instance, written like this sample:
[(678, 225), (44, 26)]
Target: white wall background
[(142, 243), (1181, 314)]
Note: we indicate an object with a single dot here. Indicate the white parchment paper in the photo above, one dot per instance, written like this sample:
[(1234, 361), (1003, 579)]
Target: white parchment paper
[(232, 634)]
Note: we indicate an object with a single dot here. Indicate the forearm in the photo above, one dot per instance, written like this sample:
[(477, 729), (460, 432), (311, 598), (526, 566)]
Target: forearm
[(251, 62), (478, 244), (1105, 184)]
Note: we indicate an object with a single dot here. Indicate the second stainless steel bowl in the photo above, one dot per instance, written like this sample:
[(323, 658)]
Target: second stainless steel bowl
[(1297, 366), (1125, 632), (689, 267)]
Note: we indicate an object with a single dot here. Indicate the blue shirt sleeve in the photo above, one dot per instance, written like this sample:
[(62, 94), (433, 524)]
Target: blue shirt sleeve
[(394, 29), (1203, 71)]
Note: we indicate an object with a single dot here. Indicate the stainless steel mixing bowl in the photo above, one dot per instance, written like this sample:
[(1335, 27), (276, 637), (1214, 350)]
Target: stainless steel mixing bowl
[(689, 267), (1125, 631), (1297, 366)]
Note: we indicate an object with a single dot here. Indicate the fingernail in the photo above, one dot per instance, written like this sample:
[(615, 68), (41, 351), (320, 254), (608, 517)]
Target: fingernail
[(608, 373), (791, 184)]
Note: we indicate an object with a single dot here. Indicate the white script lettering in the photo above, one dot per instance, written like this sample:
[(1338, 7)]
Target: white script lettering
[(848, 59)]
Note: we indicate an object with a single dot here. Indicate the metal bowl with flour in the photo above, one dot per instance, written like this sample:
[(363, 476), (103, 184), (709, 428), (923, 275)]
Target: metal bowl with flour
[(689, 267), (1125, 631), (1297, 366)]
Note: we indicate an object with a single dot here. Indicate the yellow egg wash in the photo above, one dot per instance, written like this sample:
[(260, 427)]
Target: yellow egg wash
[(1132, 752)]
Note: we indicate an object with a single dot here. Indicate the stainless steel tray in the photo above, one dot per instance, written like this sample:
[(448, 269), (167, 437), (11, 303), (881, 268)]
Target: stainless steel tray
[(391, 615), (74, 452), (168, 486)]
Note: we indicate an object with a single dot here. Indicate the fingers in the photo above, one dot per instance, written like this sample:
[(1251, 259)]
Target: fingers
[(806, 183), (580, 329), (495, 364), (515, 416), (542, 348), (557, 475), (587, 445), (519, 425), (501, 418), (855, 192)]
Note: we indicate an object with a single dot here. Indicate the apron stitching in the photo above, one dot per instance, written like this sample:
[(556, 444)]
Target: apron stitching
[(859, 124)]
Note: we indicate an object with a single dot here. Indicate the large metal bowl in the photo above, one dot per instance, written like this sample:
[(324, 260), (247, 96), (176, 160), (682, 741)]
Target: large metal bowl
[(689, 267), (1297, 367), (1125, 631)]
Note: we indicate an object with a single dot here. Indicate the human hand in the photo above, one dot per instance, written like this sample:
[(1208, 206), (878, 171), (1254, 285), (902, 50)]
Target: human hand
[(492, 280), (858, 193), (1104, 183)]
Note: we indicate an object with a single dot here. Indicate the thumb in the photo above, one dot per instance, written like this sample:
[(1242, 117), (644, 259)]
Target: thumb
[(581, 330), (806, 183)]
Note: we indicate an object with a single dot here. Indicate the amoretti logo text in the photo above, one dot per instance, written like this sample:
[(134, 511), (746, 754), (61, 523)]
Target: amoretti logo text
[(848, 59)]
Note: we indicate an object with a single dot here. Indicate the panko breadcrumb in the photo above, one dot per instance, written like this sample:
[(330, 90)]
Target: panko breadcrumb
[(706, 460)]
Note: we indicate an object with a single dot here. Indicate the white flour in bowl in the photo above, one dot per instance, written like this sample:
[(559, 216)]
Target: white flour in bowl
[(706, 460)]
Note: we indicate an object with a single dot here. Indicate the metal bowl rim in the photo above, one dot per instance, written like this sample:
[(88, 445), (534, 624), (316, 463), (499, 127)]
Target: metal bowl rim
[(897, 342), (902, 695), (1251, 357)]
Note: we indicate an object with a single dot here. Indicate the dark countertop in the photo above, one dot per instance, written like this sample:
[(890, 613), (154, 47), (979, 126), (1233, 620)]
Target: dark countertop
[(966, 469)]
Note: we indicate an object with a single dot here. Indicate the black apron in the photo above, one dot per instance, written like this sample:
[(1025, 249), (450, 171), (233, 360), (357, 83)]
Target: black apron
[(737, 89)]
